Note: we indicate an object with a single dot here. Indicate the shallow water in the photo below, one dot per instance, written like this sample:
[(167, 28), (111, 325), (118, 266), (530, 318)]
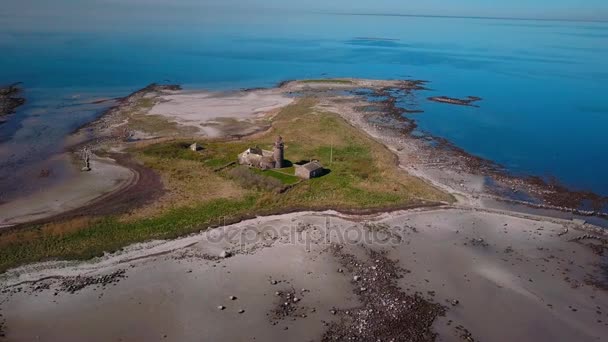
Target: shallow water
[(543, 83)]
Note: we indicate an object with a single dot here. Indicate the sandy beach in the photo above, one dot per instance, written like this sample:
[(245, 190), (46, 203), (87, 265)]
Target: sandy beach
[(211, 111), (500, 277), (82, 188)]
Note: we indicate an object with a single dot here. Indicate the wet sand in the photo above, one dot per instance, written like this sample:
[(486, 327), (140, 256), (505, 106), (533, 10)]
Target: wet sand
[(499, 277), (80, 190)]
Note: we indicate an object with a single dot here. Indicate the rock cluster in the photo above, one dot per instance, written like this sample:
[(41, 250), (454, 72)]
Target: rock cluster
[(451, 100), (479, 242), (590, 237), (465, 334), (77, 283), (387, 313), (2, 326), (287, 306), (9, 100)]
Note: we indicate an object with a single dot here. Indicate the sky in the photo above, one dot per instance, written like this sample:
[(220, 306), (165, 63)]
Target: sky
[(49, 14)]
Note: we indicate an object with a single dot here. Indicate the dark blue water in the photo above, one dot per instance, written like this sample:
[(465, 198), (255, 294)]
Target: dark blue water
[(544, 84)]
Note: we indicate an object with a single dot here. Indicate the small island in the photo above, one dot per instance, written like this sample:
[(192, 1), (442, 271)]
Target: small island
[(468, 101), (10, 100)]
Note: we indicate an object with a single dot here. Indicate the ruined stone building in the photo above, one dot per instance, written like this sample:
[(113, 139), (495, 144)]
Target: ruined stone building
[(263, 159)]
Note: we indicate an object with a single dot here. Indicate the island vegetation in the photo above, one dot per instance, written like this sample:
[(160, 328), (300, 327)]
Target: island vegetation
[(205, 189)]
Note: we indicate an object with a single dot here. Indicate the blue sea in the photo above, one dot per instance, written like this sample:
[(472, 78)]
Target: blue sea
[(544, 84)]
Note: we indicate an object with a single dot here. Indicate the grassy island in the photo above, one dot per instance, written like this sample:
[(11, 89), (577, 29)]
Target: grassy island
[(205, 189)]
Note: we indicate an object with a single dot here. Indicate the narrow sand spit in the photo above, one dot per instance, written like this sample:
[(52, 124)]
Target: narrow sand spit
[(83, 187), (323, 276)]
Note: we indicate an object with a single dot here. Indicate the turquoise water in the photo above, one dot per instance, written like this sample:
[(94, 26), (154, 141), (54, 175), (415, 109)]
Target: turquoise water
[(543, 83)]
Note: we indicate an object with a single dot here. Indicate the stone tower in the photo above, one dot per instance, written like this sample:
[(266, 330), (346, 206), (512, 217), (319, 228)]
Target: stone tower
[(278, 152)]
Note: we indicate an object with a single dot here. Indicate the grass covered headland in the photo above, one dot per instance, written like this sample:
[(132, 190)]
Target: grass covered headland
[(205, 188)]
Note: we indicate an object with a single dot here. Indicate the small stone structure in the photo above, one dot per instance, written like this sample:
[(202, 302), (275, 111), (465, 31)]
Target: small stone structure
[(310, 170), (278, 152), (86, 158), (263, 159)]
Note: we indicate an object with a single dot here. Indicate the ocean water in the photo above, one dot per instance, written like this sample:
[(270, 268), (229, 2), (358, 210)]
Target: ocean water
[(544, 84)]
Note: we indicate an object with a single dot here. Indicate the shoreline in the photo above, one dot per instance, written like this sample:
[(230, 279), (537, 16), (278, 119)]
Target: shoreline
[(380, 124), (82, 190), (293, 273), (154, 248), (443, 154), (143, 187), (385, 116)]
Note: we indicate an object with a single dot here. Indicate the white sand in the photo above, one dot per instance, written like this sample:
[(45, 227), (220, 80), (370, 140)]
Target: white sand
[(173, 290), (207, 110)]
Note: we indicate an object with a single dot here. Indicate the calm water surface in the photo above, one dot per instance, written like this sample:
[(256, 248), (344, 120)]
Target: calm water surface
[(543, 83)]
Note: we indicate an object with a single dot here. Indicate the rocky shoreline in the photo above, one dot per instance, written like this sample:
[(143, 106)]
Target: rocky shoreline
[(426, 156), (10, 100), (102, 130), (376, 107), (395, 127), (434, 152)]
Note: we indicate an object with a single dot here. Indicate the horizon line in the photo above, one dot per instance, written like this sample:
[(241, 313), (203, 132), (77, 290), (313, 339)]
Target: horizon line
[(381, 14)]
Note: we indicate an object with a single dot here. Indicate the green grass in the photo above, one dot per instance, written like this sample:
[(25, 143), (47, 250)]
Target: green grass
[(286, 176), (213, 155), (363, 175), (110, 234)]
